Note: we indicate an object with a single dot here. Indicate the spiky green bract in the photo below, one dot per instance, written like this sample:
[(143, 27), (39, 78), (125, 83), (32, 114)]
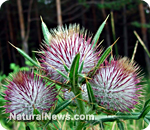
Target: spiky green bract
[(46, 32), (65, 44), (99, 31), (115, 85), (25, 55), (27, 92)]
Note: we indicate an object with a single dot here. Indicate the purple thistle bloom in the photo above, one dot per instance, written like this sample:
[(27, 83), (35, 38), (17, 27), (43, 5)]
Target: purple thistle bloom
[(115, 85), (26, 92), (64, 45)]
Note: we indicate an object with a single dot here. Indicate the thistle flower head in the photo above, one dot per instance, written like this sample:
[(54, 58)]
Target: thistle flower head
[(65, 43), (26, 92), (115, 85)]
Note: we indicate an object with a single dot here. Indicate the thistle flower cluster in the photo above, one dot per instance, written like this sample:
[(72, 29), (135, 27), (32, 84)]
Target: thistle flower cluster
[(115, 84), (26, 92)]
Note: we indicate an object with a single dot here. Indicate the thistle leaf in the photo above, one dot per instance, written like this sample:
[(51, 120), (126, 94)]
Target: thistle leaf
[(120, 125), (53, 81), (61, 73), (147, 120), (90, 94), (101, 125), (25, 55), (35, 111), (58, 109), (81, 67), (62, 106), (46, 32), (144, 111), (92, 122), (146, 103), (99, 31), (102, 58), (74, 71), (66, 68)]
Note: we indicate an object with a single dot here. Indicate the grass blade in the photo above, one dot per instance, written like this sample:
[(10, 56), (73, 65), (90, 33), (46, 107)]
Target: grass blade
[(135, 48), (142, 43), (113, 32)]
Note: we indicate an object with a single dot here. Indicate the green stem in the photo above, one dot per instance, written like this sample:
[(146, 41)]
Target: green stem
[(81, 104), (91, 111), (81, 107), (106, 118), (79, 125)]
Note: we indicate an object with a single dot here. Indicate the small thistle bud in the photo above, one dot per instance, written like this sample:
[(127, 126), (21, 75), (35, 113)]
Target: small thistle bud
[(27, 92), (64, 45), (69, 94), (115, 85)]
